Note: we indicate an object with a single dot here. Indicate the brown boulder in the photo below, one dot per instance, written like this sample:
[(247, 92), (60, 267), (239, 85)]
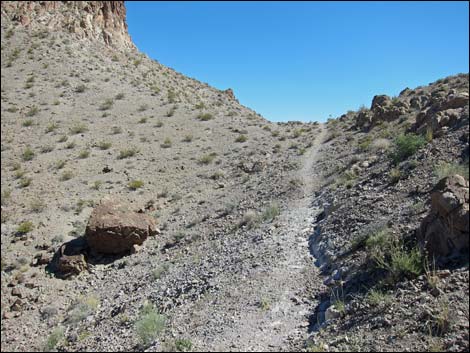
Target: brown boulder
[(113, 228), (445, 230), (70, 259)]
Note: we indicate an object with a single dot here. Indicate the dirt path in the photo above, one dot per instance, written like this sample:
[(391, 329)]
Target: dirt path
[(270, 306)]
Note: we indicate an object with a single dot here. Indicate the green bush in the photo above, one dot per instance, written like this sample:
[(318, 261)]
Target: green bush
[(28, 154), (149, 325), (25, 227), (135, 184), (205, 116), (406, 146), (56, 337)]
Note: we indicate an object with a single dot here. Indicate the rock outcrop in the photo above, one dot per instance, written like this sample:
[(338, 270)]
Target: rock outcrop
[(445, 112), (445, 230), (383, 109), (113, 228), (96, 20)]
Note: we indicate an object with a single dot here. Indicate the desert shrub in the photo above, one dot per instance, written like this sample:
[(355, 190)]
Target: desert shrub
[(395, 175), (405, 146), (166, 143), (55, 338), (135, 184), (149, 324), (28, 154), (270, 212), (84, 154), (104, 145), (205, 116), (446, 169), (32, 111), (25, 227), (81, 309), (27, 123), (80, 88), (207, 158), (128, 152), (51, 127), (78, 129), (67, 175), (107, 104), (241, 138)]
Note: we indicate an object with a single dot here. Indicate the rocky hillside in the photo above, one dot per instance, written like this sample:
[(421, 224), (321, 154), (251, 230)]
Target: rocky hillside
[(145, 210)]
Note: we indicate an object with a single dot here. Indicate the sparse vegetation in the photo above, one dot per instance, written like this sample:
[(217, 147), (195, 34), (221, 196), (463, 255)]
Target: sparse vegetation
[(166, 143), (78, 129), (149, 324), (25, 227), (205, 116), (406, 146), (128, 152), (135, 184), (241, 138), (446, 169), (28, 154)]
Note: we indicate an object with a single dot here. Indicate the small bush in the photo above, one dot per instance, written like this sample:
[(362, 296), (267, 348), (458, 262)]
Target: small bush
[(25, 182), (81, 309), (143, 107), (104, 145), (51, 127), (135, 184), (241, 139), (142, 120), (270, 212), (37, 205), (107, 104), (33, 111), (207, 159), (205, 116), (78, 129), (80, 89), (188, 138), (149, 325), (446, 169), (166, 143), (378, 298), (119, 96), (395, 175), (28, 154), (27, 123), (25, 227), (84, 154), (56, 337), (128, 152), (67, 175), (406, 146)]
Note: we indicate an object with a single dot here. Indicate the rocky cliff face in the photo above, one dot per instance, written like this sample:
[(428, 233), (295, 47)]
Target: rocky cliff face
[(96, 20)]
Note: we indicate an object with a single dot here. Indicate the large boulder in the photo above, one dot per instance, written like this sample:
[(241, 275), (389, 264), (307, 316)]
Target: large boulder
[(445, 230), (113, 228)]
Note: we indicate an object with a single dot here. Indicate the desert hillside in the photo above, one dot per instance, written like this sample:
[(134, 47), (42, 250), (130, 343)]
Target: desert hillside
[(239, 234)]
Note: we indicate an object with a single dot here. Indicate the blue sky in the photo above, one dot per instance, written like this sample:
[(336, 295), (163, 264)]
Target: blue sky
[(305, 60)]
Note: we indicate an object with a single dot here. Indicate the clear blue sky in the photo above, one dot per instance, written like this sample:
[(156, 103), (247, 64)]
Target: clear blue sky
[(305, 60)]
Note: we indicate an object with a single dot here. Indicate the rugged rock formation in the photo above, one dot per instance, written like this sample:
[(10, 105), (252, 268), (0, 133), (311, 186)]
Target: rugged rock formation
[(383, 109), (446, 112), (114, 228), (445, 230), (96, 20)]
